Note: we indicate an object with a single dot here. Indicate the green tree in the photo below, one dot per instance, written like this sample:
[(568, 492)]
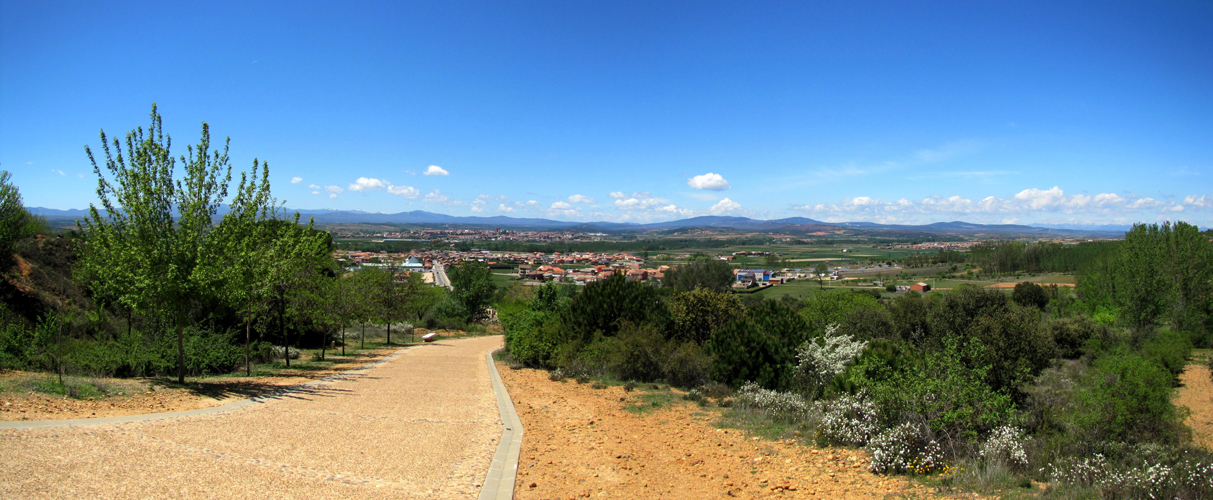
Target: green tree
[(1030, 294), (714, 275), (697, 314), (235, 262), (604, 304), (155, 227), (1159, 273), (761, 347), (819, 272), (474, 288), (291, 257), (15, 222)]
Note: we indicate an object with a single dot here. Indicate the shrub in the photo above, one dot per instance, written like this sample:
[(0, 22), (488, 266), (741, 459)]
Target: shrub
[(605, 305), (696, 315), (1126, 397), (1012, 345), (820, 360), (835, 307), (905, 448), (1070, 335), (959, 309), (891, 288), (849, 420), (533, 337), (687, 365), (636, 353), (758, 348), (784, 406), (1028, 294), (1004, 446)]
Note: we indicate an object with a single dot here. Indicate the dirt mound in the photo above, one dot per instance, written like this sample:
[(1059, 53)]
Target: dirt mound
[(582, 442)]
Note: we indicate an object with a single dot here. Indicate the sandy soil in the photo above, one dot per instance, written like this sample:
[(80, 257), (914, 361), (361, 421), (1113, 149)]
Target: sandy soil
[(1196, 393), (152, 396), (1012, 285), (580, 442), (423, 425)]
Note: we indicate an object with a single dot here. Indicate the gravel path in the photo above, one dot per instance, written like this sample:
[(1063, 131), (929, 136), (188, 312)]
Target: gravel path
[(423, 425)]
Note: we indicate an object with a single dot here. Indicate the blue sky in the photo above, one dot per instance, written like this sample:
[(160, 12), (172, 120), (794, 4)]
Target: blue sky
[(1052, 112)]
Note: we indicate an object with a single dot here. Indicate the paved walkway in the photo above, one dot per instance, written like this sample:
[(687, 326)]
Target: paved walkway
[(423, 425)]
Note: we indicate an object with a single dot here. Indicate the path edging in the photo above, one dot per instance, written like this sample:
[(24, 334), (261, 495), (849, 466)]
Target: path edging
[(235, 405), (499, 483)]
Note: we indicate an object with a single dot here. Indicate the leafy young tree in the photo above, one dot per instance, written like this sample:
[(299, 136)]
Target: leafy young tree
[(15, 221), (820, 270), (473, 282), (234, 265), (145, 248), (714, 275)]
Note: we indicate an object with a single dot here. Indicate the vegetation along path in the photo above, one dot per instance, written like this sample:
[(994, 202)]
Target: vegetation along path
[(421, 425)]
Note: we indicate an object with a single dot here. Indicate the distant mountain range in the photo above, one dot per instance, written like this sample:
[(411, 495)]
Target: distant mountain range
[(788, 225)]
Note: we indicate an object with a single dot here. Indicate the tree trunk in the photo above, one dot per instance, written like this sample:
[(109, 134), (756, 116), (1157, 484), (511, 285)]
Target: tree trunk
[(389, 332), (248, 367), (180, 353), (59, 361), (363, 336), (343, 340), (286, 341)]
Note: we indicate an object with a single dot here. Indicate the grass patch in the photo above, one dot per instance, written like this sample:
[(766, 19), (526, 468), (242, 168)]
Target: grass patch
[(74, 387)]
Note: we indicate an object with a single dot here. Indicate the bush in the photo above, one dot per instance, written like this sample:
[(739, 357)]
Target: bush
[(533, 337), (1028, 294), (687, 365), (606, 304), (1070, 335), (1012, 345), (758, 348), (820, 360), (905, 448), (696, 315), (1127, 397), (637, 352)]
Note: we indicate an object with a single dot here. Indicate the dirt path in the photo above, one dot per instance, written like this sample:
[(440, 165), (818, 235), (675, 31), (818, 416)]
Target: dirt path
[(580, 442), (1196, 393), (422, 425)]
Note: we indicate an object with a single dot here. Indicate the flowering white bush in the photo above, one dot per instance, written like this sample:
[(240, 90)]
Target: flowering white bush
[(1186, 478), (850, 420), (778, 404), (821, 362), (1005, 445), (902, 449)]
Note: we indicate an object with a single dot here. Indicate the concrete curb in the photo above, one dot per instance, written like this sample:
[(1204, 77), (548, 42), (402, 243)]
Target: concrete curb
[(235, 405), (499, 483)]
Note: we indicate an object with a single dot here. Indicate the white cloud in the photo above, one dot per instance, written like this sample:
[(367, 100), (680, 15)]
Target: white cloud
[(618, 195), (638, 201), (504, 208), (367, 184), (709, 182), (334, 195), (560, 205), (477, 208), (405, 191), (1203, 201), (313, 186), (335, 190), (527, 204), (59, 171), (724, 206), (436, 170), (581, 199), (296, 180), (1108, 207), (315, 192), (1038, 199), (434, 197)]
